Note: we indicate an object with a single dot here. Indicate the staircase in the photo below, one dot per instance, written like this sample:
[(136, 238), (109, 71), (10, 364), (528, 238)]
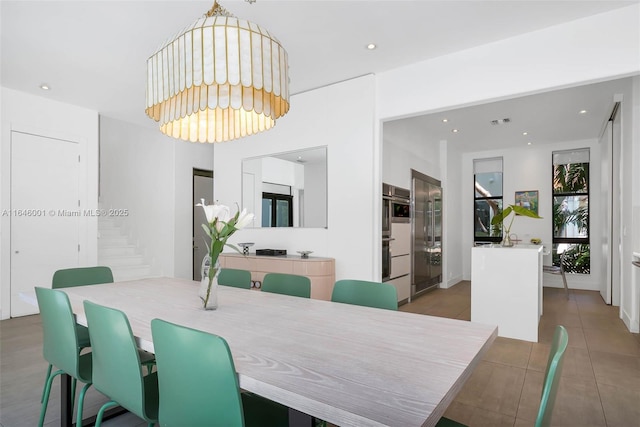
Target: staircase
[(115, 251)]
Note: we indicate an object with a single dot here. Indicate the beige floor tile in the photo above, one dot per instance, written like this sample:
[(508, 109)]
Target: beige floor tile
[(483, 418), (539, 356), (459, 412), (530, 397), (465, 315), (598, 308), (578, 403), (621, 407), (477, 417), (493, 387), (601, 321), (524, 423), (612, 341), (567, 320), (577, 361), (616, 370), (576, 336), (509, 352)]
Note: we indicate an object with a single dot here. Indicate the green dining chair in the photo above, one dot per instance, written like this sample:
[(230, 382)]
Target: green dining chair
[(287, 284), (235, 278), (117, 371), (368, 294), (551, 381), (198, 383), (60, 346), (79, 276)]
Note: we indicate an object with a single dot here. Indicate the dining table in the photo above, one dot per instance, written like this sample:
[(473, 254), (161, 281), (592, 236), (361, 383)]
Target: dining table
[(346, 364)]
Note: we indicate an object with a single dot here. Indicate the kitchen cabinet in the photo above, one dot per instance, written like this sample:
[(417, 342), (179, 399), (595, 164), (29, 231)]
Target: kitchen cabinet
[(321, 271), (400, 253)]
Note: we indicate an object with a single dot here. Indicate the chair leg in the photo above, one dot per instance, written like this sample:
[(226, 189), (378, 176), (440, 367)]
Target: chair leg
[(566, 288), (73, 392), (45, 398), (45, 381), (81, 404), (104, 407)]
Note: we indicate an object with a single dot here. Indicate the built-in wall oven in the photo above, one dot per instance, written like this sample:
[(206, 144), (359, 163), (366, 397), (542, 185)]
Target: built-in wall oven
[(386, 211), (396, 208)]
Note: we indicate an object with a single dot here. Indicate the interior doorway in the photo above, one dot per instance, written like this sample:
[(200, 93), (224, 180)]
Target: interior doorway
[(45, 213), (610, 144), (202, 189)]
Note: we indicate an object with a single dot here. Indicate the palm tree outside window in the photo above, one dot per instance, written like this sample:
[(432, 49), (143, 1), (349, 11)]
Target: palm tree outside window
[(571, 210)]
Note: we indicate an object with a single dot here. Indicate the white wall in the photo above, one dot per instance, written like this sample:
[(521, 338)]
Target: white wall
[(453, 188), (340, 116), (137, 174), (315, 195), (404, 148), (595, 48), (41, 116), (630, 200), (150, 174)]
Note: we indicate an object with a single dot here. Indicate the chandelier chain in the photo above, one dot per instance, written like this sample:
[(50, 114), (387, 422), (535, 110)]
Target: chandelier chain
[(218, 10)]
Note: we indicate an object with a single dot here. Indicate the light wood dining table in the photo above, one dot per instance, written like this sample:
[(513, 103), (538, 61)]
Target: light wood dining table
[(345, 364)]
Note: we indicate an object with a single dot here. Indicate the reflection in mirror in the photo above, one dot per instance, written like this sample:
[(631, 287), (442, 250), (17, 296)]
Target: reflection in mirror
[(287, 189)]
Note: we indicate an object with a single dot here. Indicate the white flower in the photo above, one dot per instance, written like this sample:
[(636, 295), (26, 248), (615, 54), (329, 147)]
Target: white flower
[(244, 219), (208, 211)]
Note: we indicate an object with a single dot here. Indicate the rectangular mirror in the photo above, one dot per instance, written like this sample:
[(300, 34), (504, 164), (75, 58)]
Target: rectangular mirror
[(287, 189)]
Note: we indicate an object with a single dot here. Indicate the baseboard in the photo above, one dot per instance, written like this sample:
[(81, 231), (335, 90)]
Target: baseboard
[(555, 281), (632, 325), (451, 282)]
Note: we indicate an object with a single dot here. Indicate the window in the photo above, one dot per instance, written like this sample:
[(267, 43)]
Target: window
[(277, 210), (488, 199), (571, 210)]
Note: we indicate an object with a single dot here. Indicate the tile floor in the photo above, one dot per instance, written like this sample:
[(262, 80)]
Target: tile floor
[(600, 384)]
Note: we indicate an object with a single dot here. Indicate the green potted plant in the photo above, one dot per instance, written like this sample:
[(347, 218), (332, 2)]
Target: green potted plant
[(501, 216)]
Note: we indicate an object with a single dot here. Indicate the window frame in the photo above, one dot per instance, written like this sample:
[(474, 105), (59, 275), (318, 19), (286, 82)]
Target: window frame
[(492, 239), (571, 240), (274, 197)]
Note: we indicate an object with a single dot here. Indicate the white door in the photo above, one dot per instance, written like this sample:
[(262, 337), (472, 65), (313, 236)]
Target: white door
[(606, 156), (44, 214)]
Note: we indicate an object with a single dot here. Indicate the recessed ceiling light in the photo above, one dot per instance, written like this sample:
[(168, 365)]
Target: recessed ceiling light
[(528, 143), (583, 111), (525, 133), (454, 130), (44, 86), (371, 46), (445, 120)]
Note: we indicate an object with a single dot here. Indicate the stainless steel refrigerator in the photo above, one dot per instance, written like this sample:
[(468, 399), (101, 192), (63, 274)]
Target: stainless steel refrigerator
[(426, 232)]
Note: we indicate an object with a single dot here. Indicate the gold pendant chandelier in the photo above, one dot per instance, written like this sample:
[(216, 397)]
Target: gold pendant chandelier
[(219, 79)]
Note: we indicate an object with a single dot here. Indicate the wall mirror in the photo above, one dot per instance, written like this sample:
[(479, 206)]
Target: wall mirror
[(287, 189)]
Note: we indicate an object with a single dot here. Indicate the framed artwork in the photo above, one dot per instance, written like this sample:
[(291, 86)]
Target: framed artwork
[(528, 199)]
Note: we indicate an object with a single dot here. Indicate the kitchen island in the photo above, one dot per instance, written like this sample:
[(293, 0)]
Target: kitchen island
[(506, 289)]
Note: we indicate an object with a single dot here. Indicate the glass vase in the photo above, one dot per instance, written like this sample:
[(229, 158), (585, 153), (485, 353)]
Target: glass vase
[(209, 283)]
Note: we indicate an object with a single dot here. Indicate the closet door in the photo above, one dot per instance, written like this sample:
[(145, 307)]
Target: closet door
[(45, 215)]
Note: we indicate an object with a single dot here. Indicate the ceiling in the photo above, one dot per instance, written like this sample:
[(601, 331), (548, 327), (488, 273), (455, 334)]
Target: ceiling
[(93, 53), (573, 114)]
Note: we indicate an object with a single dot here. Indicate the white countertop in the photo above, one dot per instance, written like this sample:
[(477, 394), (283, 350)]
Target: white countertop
[(498, 246)]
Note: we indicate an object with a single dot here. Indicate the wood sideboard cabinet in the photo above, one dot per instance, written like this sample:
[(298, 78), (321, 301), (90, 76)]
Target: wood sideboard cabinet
[(321, 271)]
